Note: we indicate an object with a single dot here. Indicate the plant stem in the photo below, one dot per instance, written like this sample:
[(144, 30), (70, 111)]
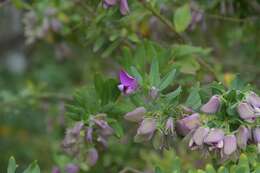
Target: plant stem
[(129, 169), (162, 19)]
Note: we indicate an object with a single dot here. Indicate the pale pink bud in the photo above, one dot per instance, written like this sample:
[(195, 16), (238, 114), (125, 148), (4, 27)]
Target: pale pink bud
[(212, 106), (136, 115), (230, 144)]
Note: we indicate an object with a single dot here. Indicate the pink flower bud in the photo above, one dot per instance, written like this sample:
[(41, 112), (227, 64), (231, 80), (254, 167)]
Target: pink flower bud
[(253, 99), (185, 125), (146, 130), (256, 135), (212, 106), (169, 126), (154, 92), (242, 135), (88, 134), (92, 156), (246, 112), (136, 115), (198, 137), (215, 138), (71, 168), (230, 144), (124, 9)]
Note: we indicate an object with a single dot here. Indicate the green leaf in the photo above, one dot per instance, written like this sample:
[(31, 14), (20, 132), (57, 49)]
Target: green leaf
[(33, 168), (194, 99), (158, 169), (11, 165), (174, 94), (167, 80), (237, 83), (182, 18), (99, 84), (210, 169), (223, 170), (119, 131), (137, 75), (154, 73)]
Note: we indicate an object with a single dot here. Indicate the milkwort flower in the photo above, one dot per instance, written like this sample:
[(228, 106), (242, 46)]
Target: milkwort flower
[(146, 130), (187, 124), (254, 100), (92, 156), (198, 137), (246, 112), (71, 168), (215, 139), (230, 144), (123, 5), (169, 126), (243, 136), (128, 83), (256, 136), (212, 106), (136, 115)]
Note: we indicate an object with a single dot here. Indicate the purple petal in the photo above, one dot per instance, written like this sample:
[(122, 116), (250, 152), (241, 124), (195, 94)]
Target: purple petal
[(169, 126), (136, 115), (148, 126), (110, 2), (88, 134), (246, 112), (253, 99), (230, 144), (214, 137), (242, 135), (185, 125), (126, 79), (200, 135), (212, 105), (124, 9), (71, 168), (256, 135), (92, 156), (55, 169)]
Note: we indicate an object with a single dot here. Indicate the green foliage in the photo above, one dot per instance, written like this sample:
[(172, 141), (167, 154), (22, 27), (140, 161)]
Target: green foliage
[(32, 168), (182, 18)]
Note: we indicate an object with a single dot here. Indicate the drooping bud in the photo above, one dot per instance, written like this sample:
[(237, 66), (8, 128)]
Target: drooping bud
[(71, 168), (246, 112), (106, 130), (88, 134), (55, 169), (103, 141), (212, 106), (154, 92), (256, 135), (230, 144), (242, 135), (146, 130), (185, 125), (77, 128), (92, 156), (253, 99), (215, 138), (169, 126), (136, 115), (198, 137), (124, 9)]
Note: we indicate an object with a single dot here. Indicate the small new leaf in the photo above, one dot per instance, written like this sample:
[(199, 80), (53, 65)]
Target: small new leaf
[(182, 18), (11, 165)]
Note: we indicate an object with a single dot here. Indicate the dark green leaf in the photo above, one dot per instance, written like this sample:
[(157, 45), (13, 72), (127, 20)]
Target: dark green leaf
[(154, 73), (167, 80)]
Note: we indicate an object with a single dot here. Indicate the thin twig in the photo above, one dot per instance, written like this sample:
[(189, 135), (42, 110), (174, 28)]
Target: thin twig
[(163, 20)]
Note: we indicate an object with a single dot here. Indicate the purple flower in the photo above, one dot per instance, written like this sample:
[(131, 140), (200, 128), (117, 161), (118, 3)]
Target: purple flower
[(106, 130), (185, 125), (146, 130), (215, 138), (256, 135), (230, 144), (154, 92), (253, 99), (77, 128), (136, 115), (92, 156), (110, 2), (71, 168), (88, 134), (198, 137), (55, 169), (243, 136), (169, 126), (103, 141), (128, 83), (124, 9), (212, 106), (246, 112)]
